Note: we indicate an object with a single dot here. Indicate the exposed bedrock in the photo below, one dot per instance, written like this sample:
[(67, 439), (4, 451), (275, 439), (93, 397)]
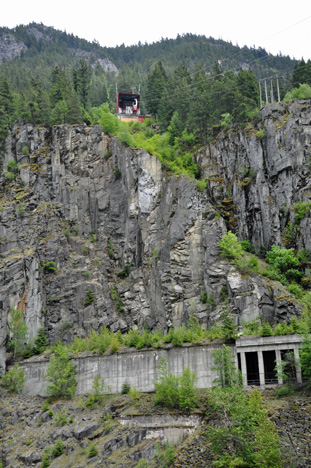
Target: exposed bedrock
[(144, 242)]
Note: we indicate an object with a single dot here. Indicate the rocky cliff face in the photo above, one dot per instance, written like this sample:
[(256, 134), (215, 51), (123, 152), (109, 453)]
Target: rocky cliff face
[(256, 177), (10, 47), (99, 210)]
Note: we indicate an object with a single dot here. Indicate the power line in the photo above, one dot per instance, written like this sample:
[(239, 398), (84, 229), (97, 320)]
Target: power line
[(231, 56)]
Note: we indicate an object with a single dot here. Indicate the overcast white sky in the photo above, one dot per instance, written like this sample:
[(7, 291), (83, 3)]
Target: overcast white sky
[(278, 26)]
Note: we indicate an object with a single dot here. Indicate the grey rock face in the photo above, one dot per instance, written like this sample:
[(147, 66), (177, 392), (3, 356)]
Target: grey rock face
[(107, 65), (92, 205), (257, 179), (10, 47)]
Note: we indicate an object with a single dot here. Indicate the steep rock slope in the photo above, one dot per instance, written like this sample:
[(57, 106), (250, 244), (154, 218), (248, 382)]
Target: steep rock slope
[(261, 174), (142, 241)]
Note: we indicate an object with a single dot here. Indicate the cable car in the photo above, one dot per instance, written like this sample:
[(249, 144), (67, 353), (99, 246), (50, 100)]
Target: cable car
[(128, 107)]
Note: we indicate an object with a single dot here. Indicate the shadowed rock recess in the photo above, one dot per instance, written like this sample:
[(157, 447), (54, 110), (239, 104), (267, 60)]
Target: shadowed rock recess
[(92, 205)]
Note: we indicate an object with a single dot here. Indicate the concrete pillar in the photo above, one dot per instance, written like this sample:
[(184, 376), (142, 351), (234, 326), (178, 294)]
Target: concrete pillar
[(278, 363), (261, 369), (298, 368), (243, 369)]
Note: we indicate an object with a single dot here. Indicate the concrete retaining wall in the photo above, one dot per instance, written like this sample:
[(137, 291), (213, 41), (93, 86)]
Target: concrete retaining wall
[(138, 367)]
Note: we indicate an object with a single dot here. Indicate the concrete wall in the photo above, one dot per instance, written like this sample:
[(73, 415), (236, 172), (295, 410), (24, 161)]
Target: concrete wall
[(138, 367)]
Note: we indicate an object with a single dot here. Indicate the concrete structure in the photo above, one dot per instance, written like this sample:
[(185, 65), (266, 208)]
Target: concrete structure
[(256, 357), (137, 367)]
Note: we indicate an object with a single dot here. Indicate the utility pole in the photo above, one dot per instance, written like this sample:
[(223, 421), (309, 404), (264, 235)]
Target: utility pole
[(260, 94), (278, 88), (266, 92), (271, 95)]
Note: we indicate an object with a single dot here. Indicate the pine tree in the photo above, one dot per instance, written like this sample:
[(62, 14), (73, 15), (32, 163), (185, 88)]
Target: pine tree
[(81, 81), (6, 97), (156, 84), (61, 375)]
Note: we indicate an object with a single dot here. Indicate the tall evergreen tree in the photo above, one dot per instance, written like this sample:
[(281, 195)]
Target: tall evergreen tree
[(6, 97), (81, 81), (156, 84)]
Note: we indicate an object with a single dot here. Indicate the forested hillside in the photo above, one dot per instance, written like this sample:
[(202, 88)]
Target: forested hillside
[(188, 84)]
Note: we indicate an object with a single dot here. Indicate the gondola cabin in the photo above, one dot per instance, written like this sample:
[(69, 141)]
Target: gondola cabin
[(128, 107)]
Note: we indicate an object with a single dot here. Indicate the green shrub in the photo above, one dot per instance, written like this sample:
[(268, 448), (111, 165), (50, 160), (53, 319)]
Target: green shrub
[(125, 271), (226, 120), (175, 391), (58, 449), (46, 457), (90, 297), (116, 299), (93, 451), (303, 92), (12, 165), (281, 329), (252, 328), (282, 259), (247, 438), (61, 375), (109, 122), (18, 332), (247, 265), (25, 150), (228, 326), (10, 176), (20, 209), (230, 247), (165, 458), (260, 134), (114, 345), (107, 154), (38, 346), (201, 185), (110, 248), (224, 293), (125, 388), (301, 209), (14, 379), (117, 173), (247, 246), (266, 329), (135, 395), (208, 299), (125, 137), (50, 267), (60, 418), (98, 392), (305, 358), (224, 365)]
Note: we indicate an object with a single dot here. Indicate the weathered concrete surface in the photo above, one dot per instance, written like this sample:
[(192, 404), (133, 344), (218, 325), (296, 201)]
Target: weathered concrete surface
[(138, 368), (173, 428)]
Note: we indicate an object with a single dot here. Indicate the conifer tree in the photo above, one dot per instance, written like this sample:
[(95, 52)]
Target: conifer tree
[(156, 84)]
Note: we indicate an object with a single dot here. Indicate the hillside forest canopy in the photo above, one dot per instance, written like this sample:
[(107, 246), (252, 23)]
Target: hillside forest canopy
[(189, 85)]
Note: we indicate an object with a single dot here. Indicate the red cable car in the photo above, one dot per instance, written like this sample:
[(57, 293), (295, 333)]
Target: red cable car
[(128, 106)]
